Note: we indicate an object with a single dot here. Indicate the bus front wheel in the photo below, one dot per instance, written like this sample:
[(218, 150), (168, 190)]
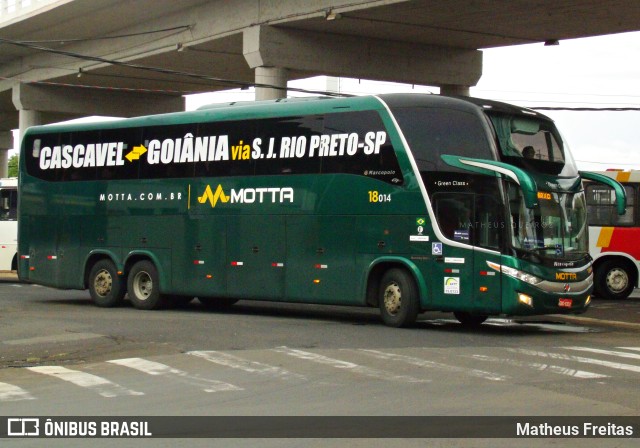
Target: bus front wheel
[(143, 286), (398, 298), (106, 287)]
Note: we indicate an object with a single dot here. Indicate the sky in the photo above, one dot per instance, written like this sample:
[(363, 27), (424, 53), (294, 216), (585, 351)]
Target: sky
[(593, 72), (598, 72)]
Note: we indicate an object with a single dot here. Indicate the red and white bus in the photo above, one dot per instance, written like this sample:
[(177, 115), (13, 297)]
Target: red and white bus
[(8, 224), (614, 240)]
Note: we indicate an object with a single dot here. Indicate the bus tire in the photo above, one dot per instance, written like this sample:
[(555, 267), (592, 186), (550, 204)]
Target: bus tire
[(614, 280), (398, 298), (470, 319), (143, 286), (106, 287)]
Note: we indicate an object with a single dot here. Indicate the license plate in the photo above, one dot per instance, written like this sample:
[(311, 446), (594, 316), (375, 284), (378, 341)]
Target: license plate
[(565, 303)]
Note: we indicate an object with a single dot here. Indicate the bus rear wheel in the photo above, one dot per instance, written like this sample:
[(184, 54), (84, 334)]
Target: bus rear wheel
[(106, 287), (398, 298), (143, 286)]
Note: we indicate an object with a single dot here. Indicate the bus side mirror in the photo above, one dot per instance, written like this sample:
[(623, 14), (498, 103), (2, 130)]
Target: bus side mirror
[(493, 168), (621, 196)]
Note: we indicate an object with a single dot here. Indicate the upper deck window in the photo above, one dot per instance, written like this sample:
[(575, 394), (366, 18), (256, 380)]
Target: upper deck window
[(433, 131), (532, 143)]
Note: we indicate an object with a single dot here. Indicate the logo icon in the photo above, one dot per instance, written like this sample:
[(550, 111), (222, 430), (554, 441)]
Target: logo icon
[(213, 197), (23, 427)]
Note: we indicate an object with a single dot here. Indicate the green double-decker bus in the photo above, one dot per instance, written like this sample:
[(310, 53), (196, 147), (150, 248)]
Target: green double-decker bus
[(408, 203)]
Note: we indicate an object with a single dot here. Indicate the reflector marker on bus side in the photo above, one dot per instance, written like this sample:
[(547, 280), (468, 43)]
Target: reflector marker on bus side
[(322, 266), (52, 257), (237, 263), (198, 261), (25, 257), (277, 265)]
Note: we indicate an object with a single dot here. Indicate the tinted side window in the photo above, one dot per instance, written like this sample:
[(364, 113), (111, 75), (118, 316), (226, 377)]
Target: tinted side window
[(348, 142), (8, 204), (601, 206), (432, 132)]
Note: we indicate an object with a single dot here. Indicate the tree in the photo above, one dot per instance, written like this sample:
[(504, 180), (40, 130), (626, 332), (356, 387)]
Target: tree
[(13, 166)]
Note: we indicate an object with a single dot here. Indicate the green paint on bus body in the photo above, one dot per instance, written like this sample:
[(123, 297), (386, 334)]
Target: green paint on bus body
[(406, 202)]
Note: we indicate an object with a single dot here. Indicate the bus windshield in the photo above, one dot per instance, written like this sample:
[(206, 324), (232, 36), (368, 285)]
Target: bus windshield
[(556, 228), (532, 143)]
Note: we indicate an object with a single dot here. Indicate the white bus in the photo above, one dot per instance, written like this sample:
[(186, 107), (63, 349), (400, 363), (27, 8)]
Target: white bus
[(8, 224)]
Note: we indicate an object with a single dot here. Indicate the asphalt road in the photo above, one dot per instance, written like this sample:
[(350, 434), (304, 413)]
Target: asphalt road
[(60, 355)]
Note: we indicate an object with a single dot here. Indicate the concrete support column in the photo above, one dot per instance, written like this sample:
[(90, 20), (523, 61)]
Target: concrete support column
[(454, 90), (29, 118), (272, 76), (6, 143)]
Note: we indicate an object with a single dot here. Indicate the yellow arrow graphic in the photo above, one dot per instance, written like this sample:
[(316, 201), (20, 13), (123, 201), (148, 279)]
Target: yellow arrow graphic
[(136, 153)]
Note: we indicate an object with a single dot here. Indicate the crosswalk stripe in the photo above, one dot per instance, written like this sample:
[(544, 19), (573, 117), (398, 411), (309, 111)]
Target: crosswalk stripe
[(605, 352), (433, 364), (235, 362), (350, 366), (636, 349), (541, 367), (101, 385), (159, 369), (9, 392), (598, 362)]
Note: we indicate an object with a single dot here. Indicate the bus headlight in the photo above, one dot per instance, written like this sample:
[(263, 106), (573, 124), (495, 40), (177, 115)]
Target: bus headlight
[(525, 299), (515, 273)]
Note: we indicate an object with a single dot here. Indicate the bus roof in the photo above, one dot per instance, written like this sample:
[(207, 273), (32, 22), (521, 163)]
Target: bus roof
[(622, 176), (289, 106)]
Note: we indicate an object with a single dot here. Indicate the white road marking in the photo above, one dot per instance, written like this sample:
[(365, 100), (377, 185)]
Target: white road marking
[(598, 362), (541, 367), (350, 366), (605, 352), (158, 369), (433, 365), (9, 392), (235, 362), (101, 385)]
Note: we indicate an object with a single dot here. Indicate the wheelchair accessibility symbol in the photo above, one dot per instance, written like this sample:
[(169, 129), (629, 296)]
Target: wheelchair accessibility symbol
[(436, 248)]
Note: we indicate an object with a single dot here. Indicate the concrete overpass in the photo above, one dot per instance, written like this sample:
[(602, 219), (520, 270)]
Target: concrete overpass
[(62, 59)]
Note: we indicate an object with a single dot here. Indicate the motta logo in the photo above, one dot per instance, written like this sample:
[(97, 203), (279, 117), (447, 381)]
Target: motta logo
[(213, 197), (273, 195)]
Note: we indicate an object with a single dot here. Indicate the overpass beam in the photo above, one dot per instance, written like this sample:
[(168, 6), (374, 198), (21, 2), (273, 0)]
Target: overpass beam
[(83, 101), (454, 69)]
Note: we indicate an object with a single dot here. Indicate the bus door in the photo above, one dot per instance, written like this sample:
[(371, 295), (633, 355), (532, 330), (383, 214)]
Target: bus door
[(256, 256), (461, 277)]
